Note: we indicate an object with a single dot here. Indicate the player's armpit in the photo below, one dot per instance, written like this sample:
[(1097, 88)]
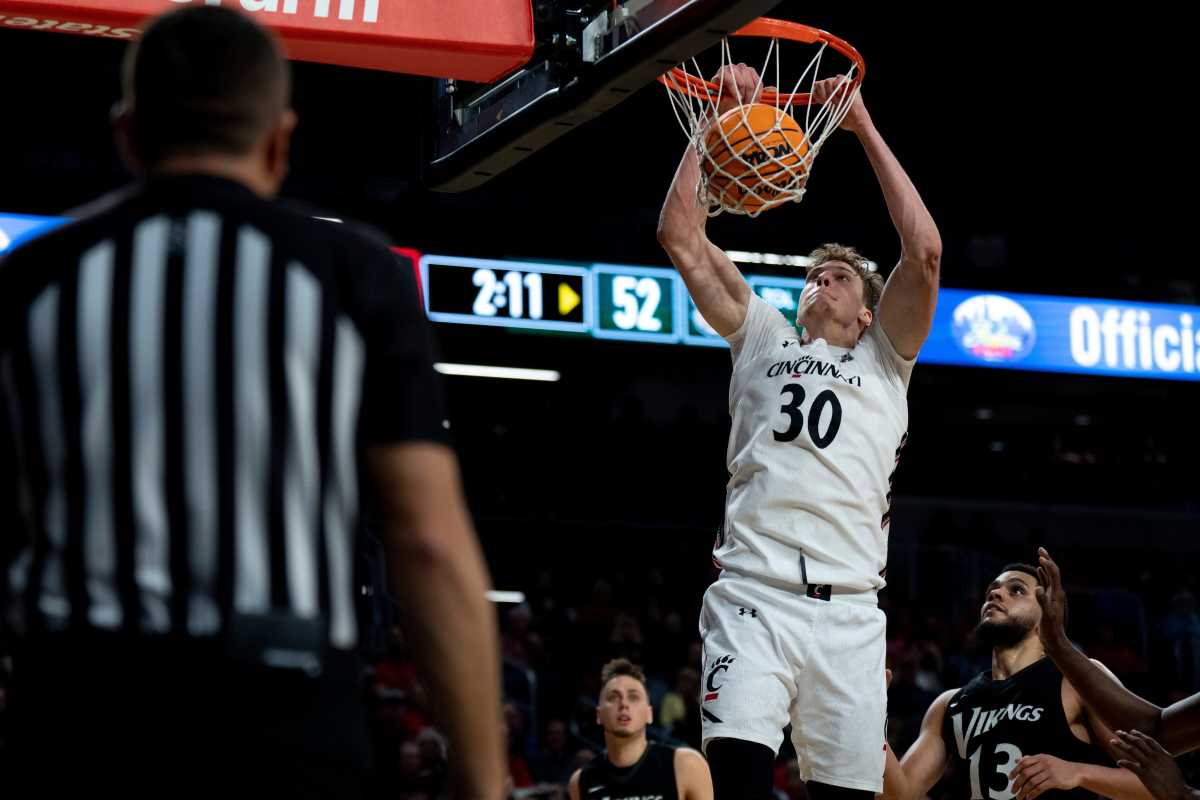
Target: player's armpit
[(692, 775)]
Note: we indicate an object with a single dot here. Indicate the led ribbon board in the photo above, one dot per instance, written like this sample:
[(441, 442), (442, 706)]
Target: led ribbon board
[(970, 329), (1065, 334), (651, 304)]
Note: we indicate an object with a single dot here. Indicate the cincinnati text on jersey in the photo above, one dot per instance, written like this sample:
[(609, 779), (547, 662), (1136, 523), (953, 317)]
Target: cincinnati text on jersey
[(807, 365)]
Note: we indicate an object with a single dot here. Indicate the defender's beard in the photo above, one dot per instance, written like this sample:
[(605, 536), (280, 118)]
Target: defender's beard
[(1002, 633)]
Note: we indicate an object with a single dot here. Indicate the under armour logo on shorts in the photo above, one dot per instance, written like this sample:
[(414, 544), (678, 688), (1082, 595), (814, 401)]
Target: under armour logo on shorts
[(744, 611)]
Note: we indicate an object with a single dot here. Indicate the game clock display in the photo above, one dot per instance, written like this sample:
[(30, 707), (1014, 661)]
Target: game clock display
[(547, 297)]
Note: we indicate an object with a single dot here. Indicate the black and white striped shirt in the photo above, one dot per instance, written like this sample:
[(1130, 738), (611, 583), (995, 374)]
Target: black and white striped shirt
[(189, 372)]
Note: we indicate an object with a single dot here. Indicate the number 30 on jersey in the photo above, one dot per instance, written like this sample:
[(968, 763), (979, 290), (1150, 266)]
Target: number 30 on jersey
[(816, 416)]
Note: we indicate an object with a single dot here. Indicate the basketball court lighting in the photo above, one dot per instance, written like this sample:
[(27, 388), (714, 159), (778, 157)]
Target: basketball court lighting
[(510, 373), (328, 219), (500, 596)]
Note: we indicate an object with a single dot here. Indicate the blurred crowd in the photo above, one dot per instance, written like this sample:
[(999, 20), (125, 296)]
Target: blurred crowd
[(1145, 625), (1146, 630)]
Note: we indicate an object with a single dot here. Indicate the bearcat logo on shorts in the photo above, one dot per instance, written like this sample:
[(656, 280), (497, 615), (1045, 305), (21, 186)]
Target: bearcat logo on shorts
[(710, 684), (993, 328)]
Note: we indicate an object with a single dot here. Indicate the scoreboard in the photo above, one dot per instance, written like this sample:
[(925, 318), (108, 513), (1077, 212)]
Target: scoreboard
[(603, 301)]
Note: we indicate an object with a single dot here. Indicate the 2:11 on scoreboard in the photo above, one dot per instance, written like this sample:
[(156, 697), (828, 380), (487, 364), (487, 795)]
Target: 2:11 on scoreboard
[(506, 293)]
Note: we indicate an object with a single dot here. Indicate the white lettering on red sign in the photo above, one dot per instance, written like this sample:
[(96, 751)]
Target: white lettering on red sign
[(346, 9)]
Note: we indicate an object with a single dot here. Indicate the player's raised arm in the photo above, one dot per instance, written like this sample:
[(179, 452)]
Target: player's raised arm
[(715, 284), (910, 296), (1176, 727)]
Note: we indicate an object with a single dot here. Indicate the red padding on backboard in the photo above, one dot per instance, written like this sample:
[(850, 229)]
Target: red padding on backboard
[(474, 40)]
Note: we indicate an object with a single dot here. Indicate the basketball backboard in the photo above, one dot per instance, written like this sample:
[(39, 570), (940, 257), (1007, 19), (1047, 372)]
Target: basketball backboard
[(589, 56)]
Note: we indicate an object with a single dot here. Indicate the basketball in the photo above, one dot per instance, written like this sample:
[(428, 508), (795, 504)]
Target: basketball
[(754, 158)]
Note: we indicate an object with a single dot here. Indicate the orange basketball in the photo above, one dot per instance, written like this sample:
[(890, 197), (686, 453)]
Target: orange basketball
[(753, 158)]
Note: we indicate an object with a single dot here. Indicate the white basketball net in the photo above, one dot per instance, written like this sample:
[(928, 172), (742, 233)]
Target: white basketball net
[(765, 183)]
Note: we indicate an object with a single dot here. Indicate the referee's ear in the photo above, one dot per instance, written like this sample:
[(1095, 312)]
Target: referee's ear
[(122, 122)]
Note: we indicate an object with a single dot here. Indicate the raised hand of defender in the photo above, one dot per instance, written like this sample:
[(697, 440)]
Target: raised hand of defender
[(1053, 600), (1146, 758), (834, 90), (1036, 774), (739, 85)]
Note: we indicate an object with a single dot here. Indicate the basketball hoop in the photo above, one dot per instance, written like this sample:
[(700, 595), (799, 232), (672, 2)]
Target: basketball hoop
[(770, 176)]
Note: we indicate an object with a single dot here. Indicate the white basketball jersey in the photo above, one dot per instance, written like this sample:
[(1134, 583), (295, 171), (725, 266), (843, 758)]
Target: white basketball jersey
[(816, 436)]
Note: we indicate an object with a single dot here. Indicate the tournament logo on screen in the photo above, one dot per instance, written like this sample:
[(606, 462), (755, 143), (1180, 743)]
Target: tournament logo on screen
[(994, 328)]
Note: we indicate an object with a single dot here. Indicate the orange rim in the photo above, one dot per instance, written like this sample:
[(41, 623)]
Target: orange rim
[(680, 81)]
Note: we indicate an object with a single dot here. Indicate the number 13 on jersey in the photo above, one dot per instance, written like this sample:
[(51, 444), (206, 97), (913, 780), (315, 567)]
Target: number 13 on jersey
[(637, 303)]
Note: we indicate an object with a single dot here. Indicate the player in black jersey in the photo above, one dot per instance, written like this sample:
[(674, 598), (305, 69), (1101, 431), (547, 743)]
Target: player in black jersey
[(631, 768), (1017, 731)]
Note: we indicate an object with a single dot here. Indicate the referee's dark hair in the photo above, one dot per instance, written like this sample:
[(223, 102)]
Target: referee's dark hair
[(202, 80)]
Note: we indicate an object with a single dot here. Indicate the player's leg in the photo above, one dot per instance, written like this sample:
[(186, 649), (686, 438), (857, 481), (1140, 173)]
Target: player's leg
[(741, 770), (745, 693), (840, 712)]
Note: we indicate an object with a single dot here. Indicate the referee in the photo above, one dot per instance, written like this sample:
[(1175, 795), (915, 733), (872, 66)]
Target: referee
[(193, 377)]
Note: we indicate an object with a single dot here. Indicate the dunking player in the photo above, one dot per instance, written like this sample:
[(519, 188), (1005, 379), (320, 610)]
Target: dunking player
[(1140, 724), (792, 630), (1019, 730), (631, 768)]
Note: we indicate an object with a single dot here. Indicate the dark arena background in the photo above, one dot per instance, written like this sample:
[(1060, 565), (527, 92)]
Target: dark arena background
[(1053, 151)]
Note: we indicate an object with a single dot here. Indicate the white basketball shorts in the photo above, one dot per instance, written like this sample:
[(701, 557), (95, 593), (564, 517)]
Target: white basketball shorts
[(773, 656)]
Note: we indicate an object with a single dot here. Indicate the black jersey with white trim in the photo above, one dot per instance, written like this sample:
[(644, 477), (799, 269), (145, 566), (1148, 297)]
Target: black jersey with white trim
[(990, 724), (651, 778)]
